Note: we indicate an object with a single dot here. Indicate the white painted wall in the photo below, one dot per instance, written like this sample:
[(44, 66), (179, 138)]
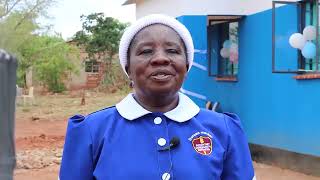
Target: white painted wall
[(200, 7)]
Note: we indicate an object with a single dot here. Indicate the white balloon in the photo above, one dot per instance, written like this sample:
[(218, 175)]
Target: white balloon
[(234, 48), (310, 33), (224, 52), (297, 40)]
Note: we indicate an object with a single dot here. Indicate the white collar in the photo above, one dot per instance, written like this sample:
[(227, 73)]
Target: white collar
[(130, 109)]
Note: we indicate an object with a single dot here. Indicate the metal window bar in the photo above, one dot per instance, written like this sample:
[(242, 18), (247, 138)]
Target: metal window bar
[(302, 61), (317, 36), (308, 8), (221, 19), (209, 52), (88, 66), (273, 37), (222, 63), (92, 66), (301, 19), (95, 67), (301, 23)]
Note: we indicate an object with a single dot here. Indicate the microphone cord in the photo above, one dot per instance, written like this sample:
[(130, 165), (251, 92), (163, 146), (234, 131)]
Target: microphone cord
[(170, 157), (168, 173)]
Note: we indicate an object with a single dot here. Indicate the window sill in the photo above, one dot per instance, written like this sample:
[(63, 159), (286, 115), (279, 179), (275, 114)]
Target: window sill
[(227, 79), (307, 76)]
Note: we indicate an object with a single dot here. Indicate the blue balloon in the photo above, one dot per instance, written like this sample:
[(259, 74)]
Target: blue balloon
[(227, 44), (309, 50)]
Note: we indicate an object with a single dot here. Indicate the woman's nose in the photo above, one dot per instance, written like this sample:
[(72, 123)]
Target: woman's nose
[(160, 58)]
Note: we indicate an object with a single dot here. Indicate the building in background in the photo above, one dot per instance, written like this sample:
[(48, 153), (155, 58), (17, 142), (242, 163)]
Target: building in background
[(245, 59), (90, 72)]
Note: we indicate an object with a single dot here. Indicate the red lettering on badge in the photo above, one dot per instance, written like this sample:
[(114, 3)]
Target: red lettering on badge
[(202, 145)]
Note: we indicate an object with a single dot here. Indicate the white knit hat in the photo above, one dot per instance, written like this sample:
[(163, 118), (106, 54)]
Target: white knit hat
[(132, 30)]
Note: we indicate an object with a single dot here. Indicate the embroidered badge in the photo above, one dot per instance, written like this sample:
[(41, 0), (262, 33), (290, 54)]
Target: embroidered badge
[(202, 145)]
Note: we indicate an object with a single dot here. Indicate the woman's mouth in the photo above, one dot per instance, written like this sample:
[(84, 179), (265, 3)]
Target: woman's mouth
[(161, 76)]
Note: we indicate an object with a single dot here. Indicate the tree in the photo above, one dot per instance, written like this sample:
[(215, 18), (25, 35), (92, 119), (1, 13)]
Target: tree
[(100, 35), (29, 8), (11, 39), (51, 58), (100, 38), (18, 26), (18, 21)]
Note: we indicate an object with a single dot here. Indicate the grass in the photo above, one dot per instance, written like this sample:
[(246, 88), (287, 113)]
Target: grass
[(62, 106)]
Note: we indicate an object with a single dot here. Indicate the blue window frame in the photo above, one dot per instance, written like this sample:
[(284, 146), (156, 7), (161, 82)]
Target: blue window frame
[(223, 40), (293, 18), (310, 17)]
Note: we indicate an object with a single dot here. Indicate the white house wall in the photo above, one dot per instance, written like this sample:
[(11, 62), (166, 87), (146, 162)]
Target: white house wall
[(201, 7)]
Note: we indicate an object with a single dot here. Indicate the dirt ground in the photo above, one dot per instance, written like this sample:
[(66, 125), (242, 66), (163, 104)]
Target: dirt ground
[(40, 133)]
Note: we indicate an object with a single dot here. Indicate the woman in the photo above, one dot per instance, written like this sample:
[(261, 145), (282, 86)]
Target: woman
[(156, 132)]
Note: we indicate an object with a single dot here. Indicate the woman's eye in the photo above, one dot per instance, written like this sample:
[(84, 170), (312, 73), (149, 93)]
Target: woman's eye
[(146, 51), (173, 51)]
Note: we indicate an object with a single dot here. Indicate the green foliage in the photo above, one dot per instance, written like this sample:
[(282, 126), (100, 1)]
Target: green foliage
[(29, 8), (11, 37), (100, 38), (18, 21), (17, 27), (51, 58), (114, 77)]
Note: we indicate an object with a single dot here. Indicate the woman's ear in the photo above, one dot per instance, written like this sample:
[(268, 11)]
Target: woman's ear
[(131, 84)]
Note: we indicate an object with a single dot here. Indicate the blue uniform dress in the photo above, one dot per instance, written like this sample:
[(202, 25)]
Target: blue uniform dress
[(125, 142)]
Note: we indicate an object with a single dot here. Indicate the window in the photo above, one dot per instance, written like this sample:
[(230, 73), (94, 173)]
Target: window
[(223, 53), (92, 66), (310, 18), (289, 18)]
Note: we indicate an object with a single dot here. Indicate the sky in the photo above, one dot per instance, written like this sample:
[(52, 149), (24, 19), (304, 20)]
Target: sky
[(66, 13)]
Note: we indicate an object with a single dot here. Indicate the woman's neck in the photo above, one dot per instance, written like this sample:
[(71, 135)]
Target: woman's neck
[(157, 103)]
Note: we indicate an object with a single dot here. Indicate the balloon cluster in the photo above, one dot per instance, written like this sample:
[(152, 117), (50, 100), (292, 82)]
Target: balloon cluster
[(304, 41), (230, 50)]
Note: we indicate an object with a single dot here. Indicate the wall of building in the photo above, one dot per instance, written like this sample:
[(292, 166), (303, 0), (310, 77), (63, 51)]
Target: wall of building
[(276, 109), (78, 80), (204, 7), (82, 79)]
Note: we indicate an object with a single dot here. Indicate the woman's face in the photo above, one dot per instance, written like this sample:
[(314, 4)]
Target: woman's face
[(157, 61)]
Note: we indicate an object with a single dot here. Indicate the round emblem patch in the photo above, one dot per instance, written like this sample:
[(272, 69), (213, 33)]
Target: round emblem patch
[(202, 145)]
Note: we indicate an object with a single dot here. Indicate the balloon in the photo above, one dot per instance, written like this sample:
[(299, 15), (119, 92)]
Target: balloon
[(297, 40), (234, 57), (309, 50), (227, 44), (224, 52), (309, 33), (234, 47)]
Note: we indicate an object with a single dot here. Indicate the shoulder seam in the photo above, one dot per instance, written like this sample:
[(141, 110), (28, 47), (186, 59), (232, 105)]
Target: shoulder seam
[(101, 110)]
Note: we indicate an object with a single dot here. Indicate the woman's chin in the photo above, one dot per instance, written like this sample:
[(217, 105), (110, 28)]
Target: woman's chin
[(163, 90)]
